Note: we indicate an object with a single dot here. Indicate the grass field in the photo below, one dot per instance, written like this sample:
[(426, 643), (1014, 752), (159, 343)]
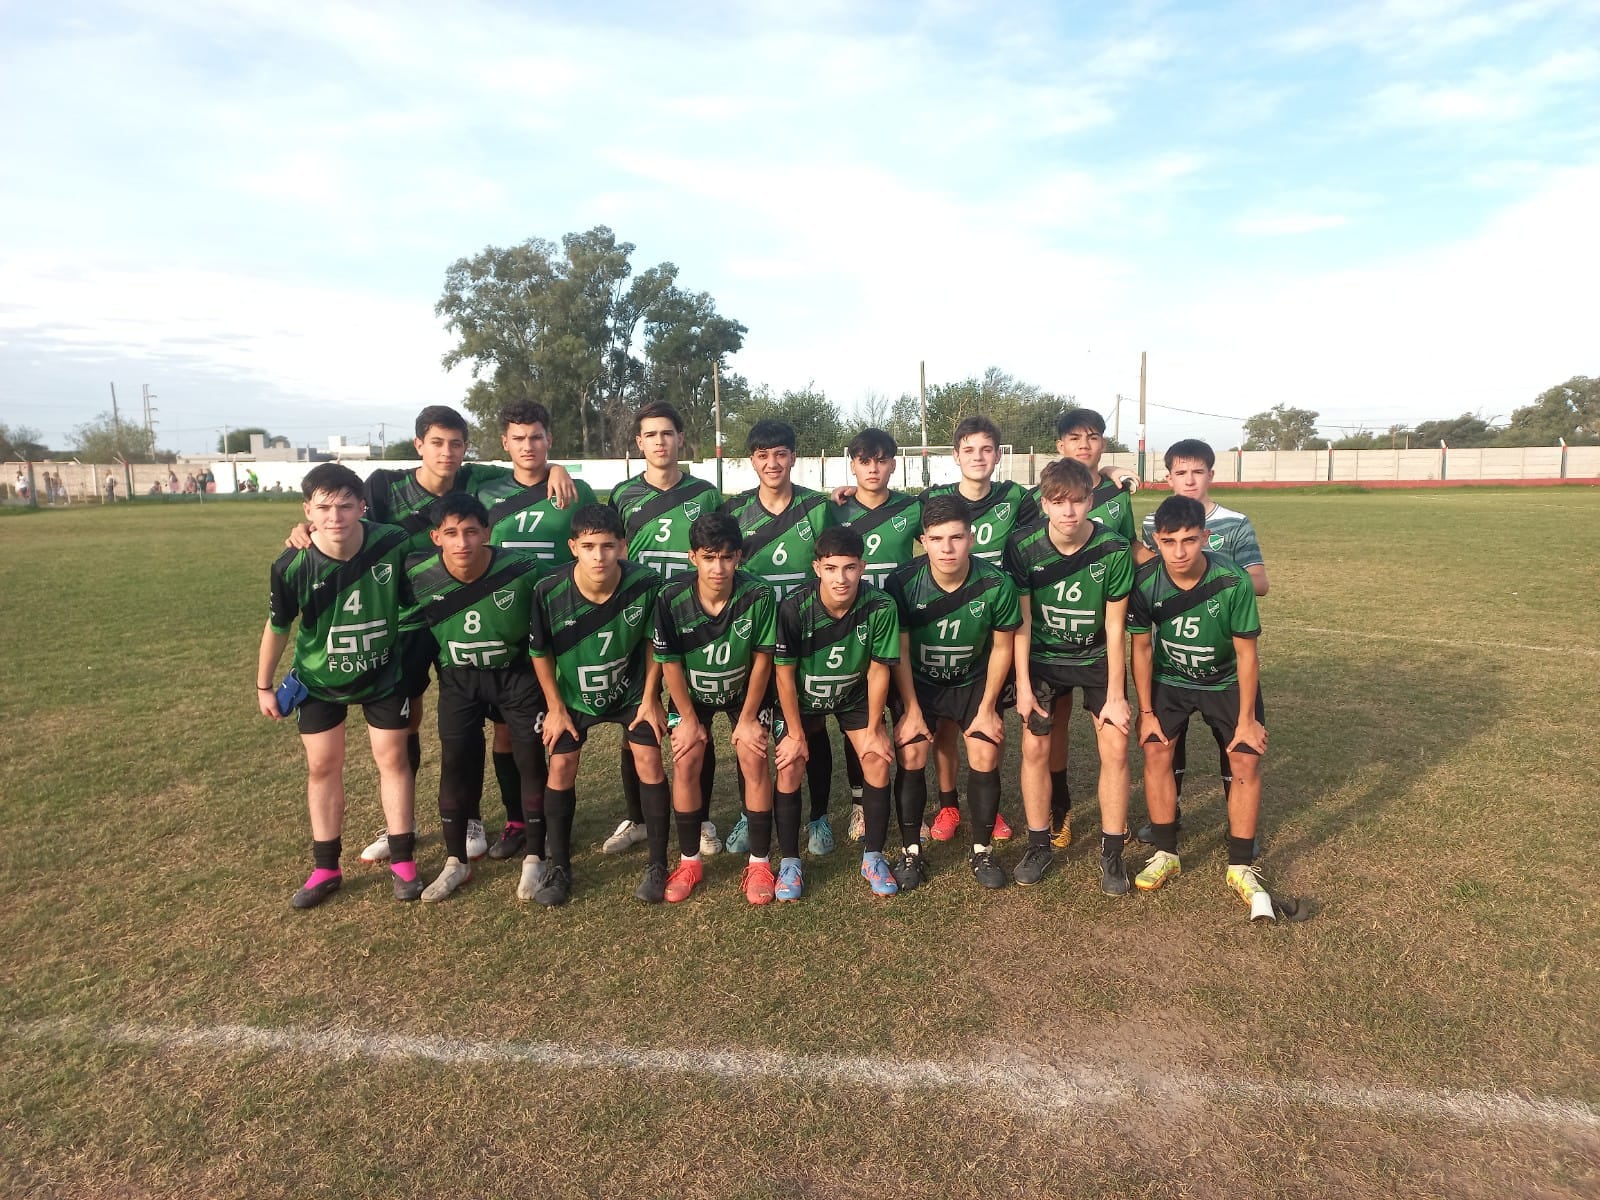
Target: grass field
[(171, 1028)]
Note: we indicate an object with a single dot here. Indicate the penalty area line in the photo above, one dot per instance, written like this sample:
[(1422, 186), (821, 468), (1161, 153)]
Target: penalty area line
[(1453, 643), (1029, 1086)]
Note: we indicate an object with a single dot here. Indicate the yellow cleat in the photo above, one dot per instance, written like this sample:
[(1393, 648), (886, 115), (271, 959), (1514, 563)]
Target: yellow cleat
[(1161, 867)]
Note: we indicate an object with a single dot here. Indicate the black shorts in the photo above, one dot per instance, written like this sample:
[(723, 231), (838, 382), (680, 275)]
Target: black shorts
[(733, 710), (509, 695), (850, 719), (1220, 710), (584, 722), (319, 716), (418, 652), (1051, 683), (957, 704)]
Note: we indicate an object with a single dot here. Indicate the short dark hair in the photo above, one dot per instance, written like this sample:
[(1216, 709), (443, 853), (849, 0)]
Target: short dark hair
[(444, 417), (941, 510), (597, 518), (460, 504), (1075, 419), (769, 435), (716, 531), (1191, 448), (1065, 477), (872, 443), (657, 408), (975, 424), (525, 412), (839, 539), (1180, 512), (335, 479)]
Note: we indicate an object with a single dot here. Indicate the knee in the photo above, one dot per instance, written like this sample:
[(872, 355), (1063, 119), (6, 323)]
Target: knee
[(1035, 749), (914, 758), (981, 756)]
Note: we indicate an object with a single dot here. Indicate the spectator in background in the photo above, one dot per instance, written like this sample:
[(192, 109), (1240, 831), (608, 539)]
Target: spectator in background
[(22, 485), (190, 485), (111, 489), (172, 481)]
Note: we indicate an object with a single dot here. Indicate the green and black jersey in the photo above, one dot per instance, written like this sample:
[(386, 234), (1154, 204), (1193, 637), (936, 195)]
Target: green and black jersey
[(656, 520), (778, 547), (484, 623), (951, 632), (599, 649), (890, 532), (716, 652), (1228, 532), (350, 615), (524, 518), (396, 498), (1008, 506), (1112, 506), (1193, 629), (1068, 594), (831, 654)]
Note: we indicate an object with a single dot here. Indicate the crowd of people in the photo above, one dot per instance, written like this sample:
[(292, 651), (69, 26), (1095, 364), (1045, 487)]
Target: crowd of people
[(913, 623)]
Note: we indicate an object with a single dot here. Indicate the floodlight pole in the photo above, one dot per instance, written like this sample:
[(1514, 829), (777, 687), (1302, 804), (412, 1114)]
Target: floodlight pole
[(716, 408), (922, 393), (1142, 475)]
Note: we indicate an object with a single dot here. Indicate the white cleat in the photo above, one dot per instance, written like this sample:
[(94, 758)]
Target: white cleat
[(532, 877), (708, 839), (377, 850), (477, 841), (456, 875), (626, 835)]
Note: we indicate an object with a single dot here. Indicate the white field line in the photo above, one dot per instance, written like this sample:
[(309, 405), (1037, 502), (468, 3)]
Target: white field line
[(1028, 1086), (1581, 651)]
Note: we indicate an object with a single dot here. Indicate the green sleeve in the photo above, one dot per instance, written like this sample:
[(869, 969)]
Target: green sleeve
[(884, 633), (764, 634), (1007, 608), (1243, 618), (1119, 574)]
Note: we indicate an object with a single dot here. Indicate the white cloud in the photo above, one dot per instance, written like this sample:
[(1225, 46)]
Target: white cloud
[(1282, 224)]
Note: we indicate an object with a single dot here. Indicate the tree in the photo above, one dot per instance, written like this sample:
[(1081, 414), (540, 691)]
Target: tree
[(105, 440), (1025, 412), (22, 442), (405, 450), (238, 441), (818, 427), (1570, 410), (1468, 429), (559, 325), (685, 337), (1281, 428)]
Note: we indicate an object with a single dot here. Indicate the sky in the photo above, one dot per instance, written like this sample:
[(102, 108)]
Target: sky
[(1381, 210)]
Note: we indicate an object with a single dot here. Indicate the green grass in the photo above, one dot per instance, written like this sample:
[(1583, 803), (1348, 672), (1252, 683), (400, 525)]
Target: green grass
[(1431, 664)]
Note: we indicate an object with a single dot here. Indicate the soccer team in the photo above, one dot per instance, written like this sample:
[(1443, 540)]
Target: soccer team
[(548, 614)]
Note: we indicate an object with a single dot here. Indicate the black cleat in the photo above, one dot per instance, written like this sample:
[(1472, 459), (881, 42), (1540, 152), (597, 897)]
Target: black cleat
[(652, 888), (512, 843), (1035, 865), (985, 870), (310, 897), (1113, 875), (556, 889), (909, 871), (407, 889)]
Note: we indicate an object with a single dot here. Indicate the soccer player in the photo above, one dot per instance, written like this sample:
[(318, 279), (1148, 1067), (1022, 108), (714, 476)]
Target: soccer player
[(1194, 625), (1191, 466), (714, 634), (997, 508), (346, 589), (523, 515), (1074, 576), (590, 634), (1081, 435), (836, 644), (958, 622), (477, 600), (888, 522), (780, 522), (658, 508)]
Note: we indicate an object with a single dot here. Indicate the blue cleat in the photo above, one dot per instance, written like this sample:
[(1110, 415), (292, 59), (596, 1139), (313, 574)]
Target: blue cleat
[(821, 831), (738, 839), (790, 883), (875, 870)]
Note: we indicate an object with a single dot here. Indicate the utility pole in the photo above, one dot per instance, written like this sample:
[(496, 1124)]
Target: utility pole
[(149, 418), (116, 423), (383, 441), (1142, 475), (716, 409), (922, 393)]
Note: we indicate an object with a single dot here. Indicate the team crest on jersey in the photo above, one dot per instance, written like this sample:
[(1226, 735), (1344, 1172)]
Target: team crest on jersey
[(1097, 571), (1213, 607), (899, 523), (632, 615), (1113, 508), (976, 608), (1002, 511), (692, 509), (805, 533), (383, 572), (742, 627), (861, 634), (504, 598), (1214, 542)]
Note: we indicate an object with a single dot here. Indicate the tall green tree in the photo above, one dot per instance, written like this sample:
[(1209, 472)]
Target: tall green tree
[(238, 441), (103, 440), (1025, 412), (564, 326), (22, 442), (819, 428), (1468, 429), (1570, 410), (685, 339), (1282, 428)]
